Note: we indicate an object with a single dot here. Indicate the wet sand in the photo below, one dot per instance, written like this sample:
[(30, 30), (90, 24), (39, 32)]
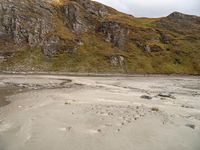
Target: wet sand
[(3, 94), (110, 113)]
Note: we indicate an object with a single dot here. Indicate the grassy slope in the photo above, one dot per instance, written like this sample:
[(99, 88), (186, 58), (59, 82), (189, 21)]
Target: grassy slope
[(180, 56)]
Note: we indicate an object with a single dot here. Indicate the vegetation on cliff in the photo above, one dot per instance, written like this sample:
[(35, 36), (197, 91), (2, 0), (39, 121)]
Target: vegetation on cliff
[(86, 36)]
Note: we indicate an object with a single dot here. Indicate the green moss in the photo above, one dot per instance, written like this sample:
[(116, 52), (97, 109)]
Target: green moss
[(26, 60)]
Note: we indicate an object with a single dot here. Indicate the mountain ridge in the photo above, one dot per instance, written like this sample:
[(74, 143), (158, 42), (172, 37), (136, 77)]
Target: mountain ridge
[(86, 36)]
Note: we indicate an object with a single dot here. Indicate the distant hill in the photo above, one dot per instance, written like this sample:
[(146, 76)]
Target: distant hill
[(86, 36)]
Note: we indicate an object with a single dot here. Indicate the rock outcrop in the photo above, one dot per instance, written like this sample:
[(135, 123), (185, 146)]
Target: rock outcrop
[(32, 22), (180, 23), (115, 33), (93, 8), (117, 60), (27, 22), (73, 15), (178, 15), (165, 38)]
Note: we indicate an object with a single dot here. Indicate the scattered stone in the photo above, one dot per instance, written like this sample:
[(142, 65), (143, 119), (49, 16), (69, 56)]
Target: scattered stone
[(67, 103), (155, 109), (146, 97), (99, 130), (166, 95), (110, 114), (69, 128), (190, 126), (186, 106)]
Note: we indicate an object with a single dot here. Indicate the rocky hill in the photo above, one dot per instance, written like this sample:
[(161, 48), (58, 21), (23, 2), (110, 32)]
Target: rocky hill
[(86, 36)]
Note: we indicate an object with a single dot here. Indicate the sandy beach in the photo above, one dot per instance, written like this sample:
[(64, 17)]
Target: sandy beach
[(58, 112)]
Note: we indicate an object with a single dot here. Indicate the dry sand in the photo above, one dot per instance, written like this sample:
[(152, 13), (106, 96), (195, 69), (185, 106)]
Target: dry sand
[(49, 112)]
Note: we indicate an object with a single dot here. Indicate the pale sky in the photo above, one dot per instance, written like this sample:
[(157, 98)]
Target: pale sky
[(154, 8)]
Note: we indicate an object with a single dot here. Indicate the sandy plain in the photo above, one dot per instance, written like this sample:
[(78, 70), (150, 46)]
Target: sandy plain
[(59, 112)]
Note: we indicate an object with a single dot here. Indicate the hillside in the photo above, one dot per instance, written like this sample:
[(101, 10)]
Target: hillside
[(86, 36)]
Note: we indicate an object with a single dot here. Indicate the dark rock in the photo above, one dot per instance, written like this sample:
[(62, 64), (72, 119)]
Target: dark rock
[(187, 106), (5, 55), (79, 42), (155, 109), (69, 128), (190, 126), (165, 38), (67, 103), (146, 97), (166, 95)]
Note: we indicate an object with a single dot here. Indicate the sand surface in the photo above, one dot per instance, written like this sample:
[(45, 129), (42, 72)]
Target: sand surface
[(49, 112)]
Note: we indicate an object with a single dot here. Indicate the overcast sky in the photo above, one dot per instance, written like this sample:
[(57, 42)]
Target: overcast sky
[(154, 8)]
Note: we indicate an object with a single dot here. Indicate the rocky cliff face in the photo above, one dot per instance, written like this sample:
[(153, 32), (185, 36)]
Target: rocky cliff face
[(32, 22), (89, 36), (115, 33), (26, 22)]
